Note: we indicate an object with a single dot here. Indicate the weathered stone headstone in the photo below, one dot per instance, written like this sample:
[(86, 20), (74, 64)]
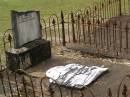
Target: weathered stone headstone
[(29, 47), (26, 27)]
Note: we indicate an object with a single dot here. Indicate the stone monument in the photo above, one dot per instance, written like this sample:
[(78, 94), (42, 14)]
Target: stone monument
[(29, 47)]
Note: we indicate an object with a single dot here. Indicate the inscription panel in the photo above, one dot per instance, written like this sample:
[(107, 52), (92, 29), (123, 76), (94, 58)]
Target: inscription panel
[(26, 27)]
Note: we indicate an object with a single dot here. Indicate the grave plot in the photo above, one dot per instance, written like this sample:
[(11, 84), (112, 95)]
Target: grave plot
[(102, 28), (117, 71)]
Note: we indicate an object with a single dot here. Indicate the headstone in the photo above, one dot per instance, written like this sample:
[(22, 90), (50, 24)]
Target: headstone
[(26, 27), (29, 47)]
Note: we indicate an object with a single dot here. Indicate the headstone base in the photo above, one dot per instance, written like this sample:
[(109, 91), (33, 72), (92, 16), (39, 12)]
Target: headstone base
[(30, 54)]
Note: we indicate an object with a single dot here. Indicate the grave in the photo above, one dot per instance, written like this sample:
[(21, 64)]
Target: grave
[(29, 47)]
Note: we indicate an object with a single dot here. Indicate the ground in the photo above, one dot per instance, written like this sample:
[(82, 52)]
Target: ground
[(118, 68)]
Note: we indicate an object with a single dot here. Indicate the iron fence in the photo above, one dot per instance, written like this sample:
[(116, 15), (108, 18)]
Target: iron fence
[(56, 26), (103, 27), (22, 84)]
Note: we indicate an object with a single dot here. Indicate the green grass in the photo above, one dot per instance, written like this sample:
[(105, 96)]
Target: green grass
[(46, 7)]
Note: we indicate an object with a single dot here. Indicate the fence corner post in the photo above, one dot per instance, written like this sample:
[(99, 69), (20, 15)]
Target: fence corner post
[(63, 29)]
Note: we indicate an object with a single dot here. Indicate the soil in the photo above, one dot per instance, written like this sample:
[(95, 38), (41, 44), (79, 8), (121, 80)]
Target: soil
[(118, 68)]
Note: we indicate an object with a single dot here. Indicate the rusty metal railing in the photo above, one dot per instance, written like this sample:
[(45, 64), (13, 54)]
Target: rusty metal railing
[(104, 27), (22, 84), (101, 26)]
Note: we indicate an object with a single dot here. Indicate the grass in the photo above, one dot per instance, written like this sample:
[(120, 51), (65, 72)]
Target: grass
[(46, 7)]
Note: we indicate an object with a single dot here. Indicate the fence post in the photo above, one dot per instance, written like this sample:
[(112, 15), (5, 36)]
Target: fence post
[(2, 83), (73, 30), (127, 30), (109, 93), (63, 29), (125, 90), (120, 12), (89, 30)]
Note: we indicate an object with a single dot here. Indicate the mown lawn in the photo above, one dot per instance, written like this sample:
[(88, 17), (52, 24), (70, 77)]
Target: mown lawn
[(46, 7)]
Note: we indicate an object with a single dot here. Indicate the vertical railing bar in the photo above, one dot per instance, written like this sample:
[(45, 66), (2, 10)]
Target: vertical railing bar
[(24, 86), (79, 28), (54, 28), (115, 35), (107, 37), (101, 35), (50, 29), (46, 31), (17, 85), (96, 35), (3, 86), (94, 38), (76, 26), (89, 32), (109, 93), (125, 90), (41, 87), (83, 27), (111, 33), (120, 7), (32, 86), (9, 83), (58, 28), (63, 29), (127, 36), (73, 29), (110, 6), (120, 35), (108, 12), (114, 8), (69, 27), (117, 8), (104, 37)]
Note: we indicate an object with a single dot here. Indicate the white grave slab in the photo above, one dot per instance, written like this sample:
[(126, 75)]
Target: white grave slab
[(75, 75)]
